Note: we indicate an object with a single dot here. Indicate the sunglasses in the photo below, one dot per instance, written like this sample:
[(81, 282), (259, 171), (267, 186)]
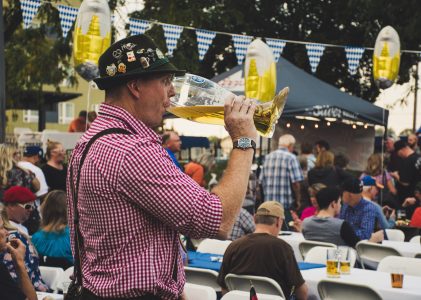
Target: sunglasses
[(27, 206)]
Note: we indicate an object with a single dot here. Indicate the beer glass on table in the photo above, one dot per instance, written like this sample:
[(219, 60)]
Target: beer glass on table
[(396, 278), (332, 263), (344, 260)]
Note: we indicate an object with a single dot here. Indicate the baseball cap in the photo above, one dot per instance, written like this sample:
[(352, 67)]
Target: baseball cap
[(370, 181), (32, 150), (18, 194), (352, 185), (398, 145), (271, 208)]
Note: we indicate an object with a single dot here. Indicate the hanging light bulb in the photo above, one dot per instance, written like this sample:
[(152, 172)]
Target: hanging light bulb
[(302, 126), (288, 125), (316, 125), (328, 123), (354, 126), (366, 126)]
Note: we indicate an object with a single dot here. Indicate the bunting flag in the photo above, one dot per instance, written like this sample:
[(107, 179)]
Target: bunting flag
[(172, 34), (277, 47), (241, 43), (353, 55), (204, 39), (67, 16), (314, 52), (29, 10), (138, 26)]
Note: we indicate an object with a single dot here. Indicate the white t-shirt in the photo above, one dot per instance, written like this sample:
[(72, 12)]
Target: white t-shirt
[(38, 174)]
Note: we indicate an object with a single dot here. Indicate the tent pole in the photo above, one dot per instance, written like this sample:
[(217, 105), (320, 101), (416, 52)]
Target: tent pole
[(2, 81), (414, 124)]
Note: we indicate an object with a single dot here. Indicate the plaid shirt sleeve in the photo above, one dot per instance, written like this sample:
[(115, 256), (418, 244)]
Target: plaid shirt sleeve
[(172, 196), (296, 174), (367, 222)]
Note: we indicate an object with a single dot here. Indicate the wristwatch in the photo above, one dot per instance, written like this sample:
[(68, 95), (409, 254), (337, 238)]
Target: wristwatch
[(244, 143)]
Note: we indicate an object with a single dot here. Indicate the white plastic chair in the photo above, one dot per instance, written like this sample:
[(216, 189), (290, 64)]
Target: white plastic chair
[(416, 239), (65, 277), (213, 246), (409, 265), (344, 291), (202, 277), (317, 255), (306, 245), (51, 276), (395, 235), (195, 291), (262, 284), (371, 254), (239, 295)]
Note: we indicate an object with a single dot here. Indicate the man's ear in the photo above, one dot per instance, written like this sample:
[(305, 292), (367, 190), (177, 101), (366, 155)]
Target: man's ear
[(134, 87)]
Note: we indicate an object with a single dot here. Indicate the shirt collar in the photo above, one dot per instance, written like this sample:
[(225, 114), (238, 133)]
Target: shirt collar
[(122, 116)]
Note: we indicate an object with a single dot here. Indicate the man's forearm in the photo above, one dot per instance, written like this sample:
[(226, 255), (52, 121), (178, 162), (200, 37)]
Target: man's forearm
[(25, 283), (232, 188), (297, 192)]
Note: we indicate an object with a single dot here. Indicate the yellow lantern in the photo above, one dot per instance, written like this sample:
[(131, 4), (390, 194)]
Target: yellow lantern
[(386, 57), (92, 36), (260, 72)]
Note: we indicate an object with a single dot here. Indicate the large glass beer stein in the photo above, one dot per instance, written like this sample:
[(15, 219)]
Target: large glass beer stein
[(201, 100)]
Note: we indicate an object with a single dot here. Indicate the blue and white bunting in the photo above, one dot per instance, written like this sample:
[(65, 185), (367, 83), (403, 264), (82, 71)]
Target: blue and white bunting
[(353, 55), (241, 43), (67, 16), (314, 52), (172, 34), (277, 47), (204, 39), (138, 26), (29, 10)]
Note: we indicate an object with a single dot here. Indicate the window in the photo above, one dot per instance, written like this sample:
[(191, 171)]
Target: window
[(66, 112), (30, 116)]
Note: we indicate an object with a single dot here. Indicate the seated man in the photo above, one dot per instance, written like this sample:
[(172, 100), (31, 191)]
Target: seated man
[(243, 225), (262, 253), (359, 213), (324, 227)]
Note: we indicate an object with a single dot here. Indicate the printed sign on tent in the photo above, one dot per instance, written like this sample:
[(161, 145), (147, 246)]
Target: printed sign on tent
[(314, 52), (353, 55), (172, 34), (204, 40)]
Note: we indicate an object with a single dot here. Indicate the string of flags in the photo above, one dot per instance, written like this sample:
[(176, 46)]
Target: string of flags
[(205, 38)]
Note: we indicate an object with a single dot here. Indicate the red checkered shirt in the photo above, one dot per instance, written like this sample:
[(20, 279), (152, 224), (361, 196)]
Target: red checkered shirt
[(133, 203)]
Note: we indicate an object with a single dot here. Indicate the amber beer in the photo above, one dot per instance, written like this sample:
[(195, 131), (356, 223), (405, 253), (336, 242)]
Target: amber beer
[(397, 280), (265, 116), (332, 268), (345, 267)]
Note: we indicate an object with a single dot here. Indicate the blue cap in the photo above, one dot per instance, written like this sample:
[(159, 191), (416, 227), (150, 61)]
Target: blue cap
[(33, 150), (370, 181)]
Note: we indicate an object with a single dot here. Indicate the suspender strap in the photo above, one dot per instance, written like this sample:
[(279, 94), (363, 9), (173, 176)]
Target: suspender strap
[(75, 190)]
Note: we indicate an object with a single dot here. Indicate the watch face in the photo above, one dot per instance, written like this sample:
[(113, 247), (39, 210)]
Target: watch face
[(244, 143)]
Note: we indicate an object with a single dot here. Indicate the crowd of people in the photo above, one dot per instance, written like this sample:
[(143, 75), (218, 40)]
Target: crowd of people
[(124, 192)]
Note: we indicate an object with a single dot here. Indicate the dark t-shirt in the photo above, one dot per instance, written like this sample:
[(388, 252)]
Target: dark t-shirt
[(8, 288), (330, 176), (56, 179), (410, 172), (261, 254)]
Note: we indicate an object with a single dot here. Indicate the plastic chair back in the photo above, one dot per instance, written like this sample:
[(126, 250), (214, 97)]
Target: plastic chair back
[(410, 266), (262, 284), (194, 291), (239, 295), (395, 235), (213, 246), (306, 245), (416, 239), (329, 290), (51, 276), (202, 277), (371, 254)]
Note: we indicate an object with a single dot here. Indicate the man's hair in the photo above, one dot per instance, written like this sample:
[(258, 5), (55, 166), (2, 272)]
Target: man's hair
[(266, 220), (324, 159), (326, 196), (341, 160), (165, 138), (306, 148), (286, 140), (323, 144), (83, 113)]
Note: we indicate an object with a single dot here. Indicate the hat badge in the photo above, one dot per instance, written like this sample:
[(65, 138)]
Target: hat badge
[(111, 70), (130, 56), (122, 68), (159, 53), (144, 61)]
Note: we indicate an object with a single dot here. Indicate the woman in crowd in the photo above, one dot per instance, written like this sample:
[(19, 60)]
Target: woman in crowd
[(312, 210), (197, 169), (31, 257), (325, 172), (53, 239), (374, 169), (11, 174), (54, 170)]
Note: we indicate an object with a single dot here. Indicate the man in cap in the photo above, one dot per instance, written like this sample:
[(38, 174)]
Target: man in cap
[(172, 143), (370, 191), (408, 175), (19, 203), (262, 253), (132, 200), (358, 212)]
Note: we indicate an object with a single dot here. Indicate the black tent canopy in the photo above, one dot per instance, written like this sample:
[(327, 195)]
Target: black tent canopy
[(312, 97)]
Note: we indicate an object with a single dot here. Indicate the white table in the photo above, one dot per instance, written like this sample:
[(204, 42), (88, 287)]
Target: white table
[(293, 239), (42, 295), (405, 248), (378, 281)]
